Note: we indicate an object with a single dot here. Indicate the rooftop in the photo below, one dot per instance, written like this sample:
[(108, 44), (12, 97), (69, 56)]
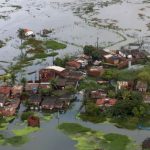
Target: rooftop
[(56, 68)]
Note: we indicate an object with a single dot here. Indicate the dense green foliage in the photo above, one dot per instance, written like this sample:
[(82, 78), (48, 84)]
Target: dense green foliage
[(25, 115)]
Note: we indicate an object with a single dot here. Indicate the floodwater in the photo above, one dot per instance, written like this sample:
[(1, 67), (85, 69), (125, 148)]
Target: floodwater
[(50, 138), (76, 29)]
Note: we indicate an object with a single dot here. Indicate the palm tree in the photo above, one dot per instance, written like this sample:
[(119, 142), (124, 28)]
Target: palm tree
[(53, 83), (23, 81), (13, 78)]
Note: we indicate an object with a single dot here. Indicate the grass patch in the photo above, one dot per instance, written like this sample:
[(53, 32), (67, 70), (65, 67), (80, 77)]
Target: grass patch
[(25, 131), (88, 139)]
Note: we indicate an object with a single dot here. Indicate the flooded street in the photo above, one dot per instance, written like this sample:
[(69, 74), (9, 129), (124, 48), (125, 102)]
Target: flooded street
[(50, 136), (75, 23)]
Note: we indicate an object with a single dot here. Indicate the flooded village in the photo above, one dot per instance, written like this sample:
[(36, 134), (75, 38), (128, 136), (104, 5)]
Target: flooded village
[(74, 73)]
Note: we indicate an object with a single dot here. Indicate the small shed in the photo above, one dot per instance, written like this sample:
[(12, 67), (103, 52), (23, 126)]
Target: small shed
[(33, 121)]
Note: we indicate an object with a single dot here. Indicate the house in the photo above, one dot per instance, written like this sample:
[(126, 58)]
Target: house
[(8, 111), (98, 94), (28, 32), (33, 121), (44, 85), (50, 72), (95, 71), (122, 85), (35, 100), (12, 103), (61, 83), (83, 62), (141, 86), (125, 85), (48, 103), (32, 87), (106, 102), (75, 75), (73, 65), (111, 59)]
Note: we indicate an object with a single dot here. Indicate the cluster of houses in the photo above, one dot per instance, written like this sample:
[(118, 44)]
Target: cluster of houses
[(75, 70), (124, 58), (101, 98)]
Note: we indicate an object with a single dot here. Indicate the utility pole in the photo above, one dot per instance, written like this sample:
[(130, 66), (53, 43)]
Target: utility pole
[(97, 42)]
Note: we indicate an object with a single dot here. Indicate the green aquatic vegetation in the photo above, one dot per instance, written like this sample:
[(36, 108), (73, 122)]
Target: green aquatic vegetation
[(41, 45), (89, 139), (25, 115), (14, 141), (73, 128), (25, 131), (47, 117), (4, 122), (3, 126), (54, 45)]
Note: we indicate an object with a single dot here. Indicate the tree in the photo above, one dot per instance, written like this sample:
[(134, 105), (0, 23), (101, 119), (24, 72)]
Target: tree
[(13, 78), (125, 106), (88, 49), (144, 76), (110, 74), (23, 81)]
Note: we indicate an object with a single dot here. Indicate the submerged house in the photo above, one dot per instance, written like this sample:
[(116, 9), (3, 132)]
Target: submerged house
[(48, 103), (35, 100), (28, 32), (50, 72)]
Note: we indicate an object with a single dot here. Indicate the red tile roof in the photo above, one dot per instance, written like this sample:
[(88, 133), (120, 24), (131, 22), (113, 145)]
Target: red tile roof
[(74, 64), (106, 102)]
